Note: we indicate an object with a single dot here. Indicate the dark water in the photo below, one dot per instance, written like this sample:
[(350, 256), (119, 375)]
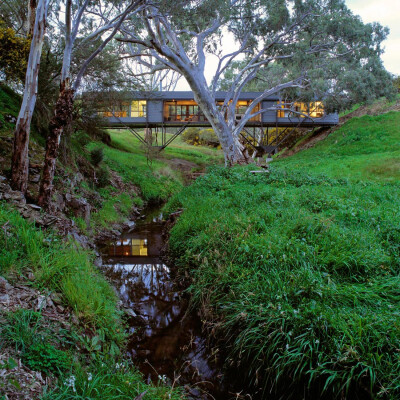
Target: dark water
[(166, 340)]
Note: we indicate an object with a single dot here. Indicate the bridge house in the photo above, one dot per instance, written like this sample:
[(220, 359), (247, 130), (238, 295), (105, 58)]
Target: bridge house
[(162, 112), (174, 109)]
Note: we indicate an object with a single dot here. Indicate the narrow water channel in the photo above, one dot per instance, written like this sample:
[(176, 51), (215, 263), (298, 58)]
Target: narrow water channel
[(166, 341)]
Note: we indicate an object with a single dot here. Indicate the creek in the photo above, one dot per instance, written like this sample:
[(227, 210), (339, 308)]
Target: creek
[(166, 340)]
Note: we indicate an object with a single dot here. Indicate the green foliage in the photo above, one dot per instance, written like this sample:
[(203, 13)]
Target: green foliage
[(60, 266), (301, 270), (46, 358), (14, 52), (96, 156), (10, 104), (396, 83), (196, 136)]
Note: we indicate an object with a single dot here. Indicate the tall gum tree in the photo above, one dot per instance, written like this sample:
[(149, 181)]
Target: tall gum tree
[(79, 15), (308, 47), (20, 159)]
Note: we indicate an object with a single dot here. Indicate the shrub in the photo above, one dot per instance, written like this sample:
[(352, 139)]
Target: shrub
[(96, 156), (191, 135), (196, 136), (103, 177), (46, 358)]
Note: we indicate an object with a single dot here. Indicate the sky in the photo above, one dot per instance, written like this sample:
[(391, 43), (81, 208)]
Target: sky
[(386, 12)]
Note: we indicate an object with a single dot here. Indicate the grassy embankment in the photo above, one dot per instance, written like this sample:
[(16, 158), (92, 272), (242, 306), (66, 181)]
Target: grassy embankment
[(298, 270)]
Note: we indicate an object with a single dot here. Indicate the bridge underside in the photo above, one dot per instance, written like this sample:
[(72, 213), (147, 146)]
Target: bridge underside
[(259, 138), (303, 123)]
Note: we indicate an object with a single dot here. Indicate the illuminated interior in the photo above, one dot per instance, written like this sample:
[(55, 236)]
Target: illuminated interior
[(313, 110), (120, 110), (183, 110), (138, 108), (129, 247), (188, 110)]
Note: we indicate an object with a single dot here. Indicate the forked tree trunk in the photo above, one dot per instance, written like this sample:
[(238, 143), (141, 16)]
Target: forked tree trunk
[(62, 118), (20, 160), (234, 151)]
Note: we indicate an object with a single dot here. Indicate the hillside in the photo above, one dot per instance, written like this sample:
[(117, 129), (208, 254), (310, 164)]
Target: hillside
[(297, 270)]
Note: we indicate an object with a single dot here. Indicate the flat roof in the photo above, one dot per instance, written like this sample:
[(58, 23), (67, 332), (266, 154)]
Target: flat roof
[(183, 95)]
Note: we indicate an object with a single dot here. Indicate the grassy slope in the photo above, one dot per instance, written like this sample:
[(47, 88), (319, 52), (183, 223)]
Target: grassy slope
[(301, 266), (364, 148), (156, 177)]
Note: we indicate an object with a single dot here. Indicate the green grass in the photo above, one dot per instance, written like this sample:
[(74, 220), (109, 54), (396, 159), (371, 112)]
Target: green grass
[(59, 266), (109, 381), (297, 271), (154, 174), (364, 148)]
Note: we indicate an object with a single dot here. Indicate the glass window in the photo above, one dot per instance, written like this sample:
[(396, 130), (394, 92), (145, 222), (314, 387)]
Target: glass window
[(138, 108)]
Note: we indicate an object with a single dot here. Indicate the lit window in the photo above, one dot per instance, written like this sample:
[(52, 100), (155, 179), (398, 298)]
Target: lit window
[(316, 109), (138, 108)]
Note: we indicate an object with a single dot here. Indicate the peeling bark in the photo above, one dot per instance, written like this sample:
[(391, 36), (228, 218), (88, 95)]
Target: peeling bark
[(20, 158), (62, 118)]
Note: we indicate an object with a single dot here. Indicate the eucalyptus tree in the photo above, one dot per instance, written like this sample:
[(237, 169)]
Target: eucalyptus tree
[(20, 160), (316, 47), (90, 25)]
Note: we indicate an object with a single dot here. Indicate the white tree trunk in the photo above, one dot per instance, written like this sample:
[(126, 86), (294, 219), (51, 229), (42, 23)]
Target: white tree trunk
[(234, 151), (20, 160)]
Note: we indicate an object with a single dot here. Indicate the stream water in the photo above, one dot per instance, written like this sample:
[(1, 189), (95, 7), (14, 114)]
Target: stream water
[(166, 340)]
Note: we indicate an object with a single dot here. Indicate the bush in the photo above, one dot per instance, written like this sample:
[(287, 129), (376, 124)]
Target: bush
[(196, 136), (46, 358), (20, 328), (103, 177), (191, 135), (96, 156)]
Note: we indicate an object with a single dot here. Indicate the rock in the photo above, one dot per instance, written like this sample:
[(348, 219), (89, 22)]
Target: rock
[(31, 277), (98, 262), (34, 178), (4, 298), (2, 178), (14, 195), (56, 298), (60, 309), (130, 312), (34, 207), (59, 202), (4, 285), (80, 207), (74, 319), (41, 303)]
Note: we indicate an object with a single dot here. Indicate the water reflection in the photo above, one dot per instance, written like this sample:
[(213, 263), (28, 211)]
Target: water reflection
[(165, 340)]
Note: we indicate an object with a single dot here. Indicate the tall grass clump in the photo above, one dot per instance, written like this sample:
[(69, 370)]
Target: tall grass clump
[(59, 266), (298, 276)]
